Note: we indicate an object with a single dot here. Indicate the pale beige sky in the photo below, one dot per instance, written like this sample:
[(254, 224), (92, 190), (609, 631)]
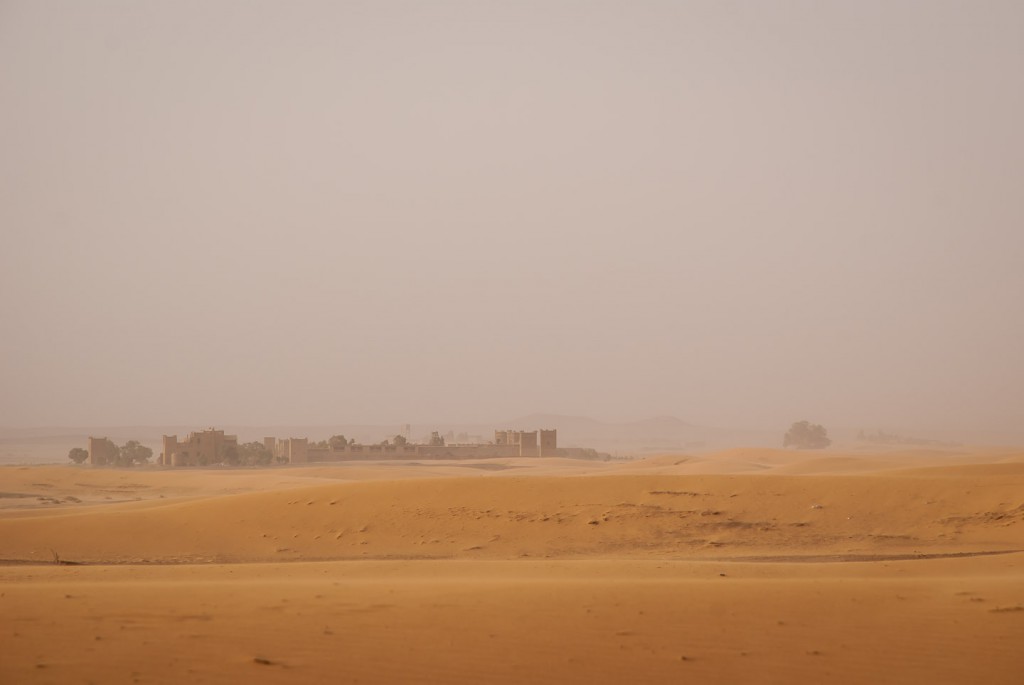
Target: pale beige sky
[(738, 213)]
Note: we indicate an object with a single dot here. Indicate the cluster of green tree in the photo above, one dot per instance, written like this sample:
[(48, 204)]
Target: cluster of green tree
[(806, 436), (248, 454), (109, 454)]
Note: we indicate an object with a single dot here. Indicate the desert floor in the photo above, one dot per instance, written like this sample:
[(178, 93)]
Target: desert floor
[(747, 566)]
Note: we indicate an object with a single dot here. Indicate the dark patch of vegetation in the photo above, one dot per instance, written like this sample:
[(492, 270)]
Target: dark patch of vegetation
[(78, 455), (106, 453), (248, 454), (806, 436)]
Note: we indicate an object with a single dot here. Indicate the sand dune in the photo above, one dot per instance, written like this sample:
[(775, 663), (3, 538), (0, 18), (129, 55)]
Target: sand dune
[(541, 516), (951, 621), (886, 567)]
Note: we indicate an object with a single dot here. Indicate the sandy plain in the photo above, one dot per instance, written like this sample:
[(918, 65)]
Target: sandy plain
[(746, 566)]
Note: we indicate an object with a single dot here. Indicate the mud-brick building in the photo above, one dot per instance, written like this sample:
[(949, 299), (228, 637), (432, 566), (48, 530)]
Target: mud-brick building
[(101, 451), (291, 450), (212, 447), (198, 449), (538, 443)]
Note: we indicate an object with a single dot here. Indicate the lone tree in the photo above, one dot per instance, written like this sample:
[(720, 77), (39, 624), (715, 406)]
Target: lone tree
[(78, 455), (337, 442), (806, 436), (399, 440)]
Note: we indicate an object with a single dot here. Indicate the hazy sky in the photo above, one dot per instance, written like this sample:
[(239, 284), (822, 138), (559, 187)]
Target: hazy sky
[(737, 213)]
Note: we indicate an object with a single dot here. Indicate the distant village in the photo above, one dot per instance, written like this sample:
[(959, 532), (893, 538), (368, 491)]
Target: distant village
[(212, 447)]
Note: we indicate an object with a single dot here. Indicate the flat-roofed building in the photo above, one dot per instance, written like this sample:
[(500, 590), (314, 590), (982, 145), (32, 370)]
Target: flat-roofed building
[(200, 448)]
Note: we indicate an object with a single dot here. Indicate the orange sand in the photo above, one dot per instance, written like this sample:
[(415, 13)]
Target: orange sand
[(746, 566)]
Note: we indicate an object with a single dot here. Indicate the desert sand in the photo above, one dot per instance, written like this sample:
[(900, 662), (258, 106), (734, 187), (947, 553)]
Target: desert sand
[(756, 566)]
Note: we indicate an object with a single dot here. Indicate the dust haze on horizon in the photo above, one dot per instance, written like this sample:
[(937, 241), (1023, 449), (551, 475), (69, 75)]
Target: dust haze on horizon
[(740, 214)]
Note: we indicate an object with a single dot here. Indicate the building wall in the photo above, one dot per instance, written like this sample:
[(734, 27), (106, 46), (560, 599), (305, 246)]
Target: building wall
[(100, 452), (526, 441), (170, 447), (208, 447), (298, 450), (381, 452), (199, 449), (467, 451), (548, 443)]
